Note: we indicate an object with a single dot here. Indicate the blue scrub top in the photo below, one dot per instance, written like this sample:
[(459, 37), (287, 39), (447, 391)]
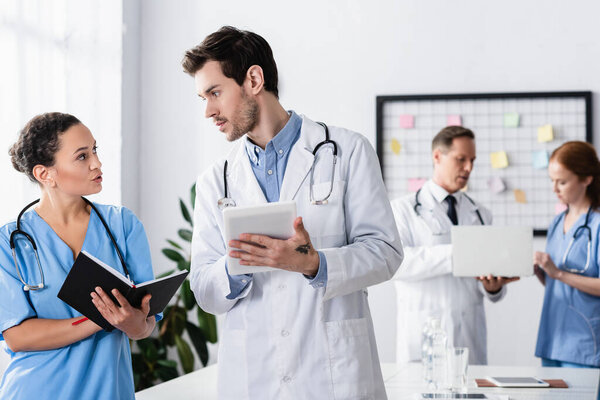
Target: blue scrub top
[(98, 367), (570, 323)]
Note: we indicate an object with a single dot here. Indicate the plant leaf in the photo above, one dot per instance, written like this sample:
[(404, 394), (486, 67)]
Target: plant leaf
[(189, 301), (175, 244), (165, 274), (185, 212), (193, 195), (167, 373), (173, 255), (208, 323), (199, 342), (181, 265), (167, 363), (185, 354), (179, 320), (185, 234)]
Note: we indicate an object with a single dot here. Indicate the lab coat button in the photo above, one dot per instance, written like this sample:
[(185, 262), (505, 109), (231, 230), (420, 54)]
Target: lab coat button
[(287, 379), (284, 333), (281, 287)]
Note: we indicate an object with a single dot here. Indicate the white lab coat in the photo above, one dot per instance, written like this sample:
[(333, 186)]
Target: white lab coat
[(283, 338), (425, 285)]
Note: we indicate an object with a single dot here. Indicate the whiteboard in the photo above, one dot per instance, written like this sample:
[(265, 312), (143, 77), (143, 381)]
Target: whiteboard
[(502, 122)]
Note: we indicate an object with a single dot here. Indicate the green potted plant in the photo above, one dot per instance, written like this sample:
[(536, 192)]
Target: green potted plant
[(150, 356)]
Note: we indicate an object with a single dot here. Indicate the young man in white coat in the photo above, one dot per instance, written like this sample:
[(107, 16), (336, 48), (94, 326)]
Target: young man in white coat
[(425, 285), (304, 330)]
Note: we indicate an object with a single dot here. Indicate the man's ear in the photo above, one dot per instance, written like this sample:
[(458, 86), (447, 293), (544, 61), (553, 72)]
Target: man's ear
[(255, 79), (436, 156), (44, 175)]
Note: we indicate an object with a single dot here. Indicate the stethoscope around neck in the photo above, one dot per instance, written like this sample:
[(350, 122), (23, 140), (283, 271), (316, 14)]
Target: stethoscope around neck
[(227, 201), (27, 287), (419, 205), (584, 227)]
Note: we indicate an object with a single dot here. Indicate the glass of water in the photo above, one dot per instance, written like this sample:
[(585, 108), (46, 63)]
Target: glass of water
[(457, 361)]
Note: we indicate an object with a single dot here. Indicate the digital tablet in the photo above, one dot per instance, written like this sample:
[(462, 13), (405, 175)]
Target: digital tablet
[(275, 220), (517, 381), (496, 250)]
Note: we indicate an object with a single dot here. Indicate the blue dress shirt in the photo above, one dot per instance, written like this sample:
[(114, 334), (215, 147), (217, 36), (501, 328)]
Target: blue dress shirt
[(269, 167)]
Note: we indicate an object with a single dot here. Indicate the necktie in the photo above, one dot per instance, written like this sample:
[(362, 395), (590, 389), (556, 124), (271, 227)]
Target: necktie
[(451, 200)]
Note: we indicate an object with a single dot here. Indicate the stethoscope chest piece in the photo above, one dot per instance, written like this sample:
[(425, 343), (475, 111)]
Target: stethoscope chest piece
[(225, 202)]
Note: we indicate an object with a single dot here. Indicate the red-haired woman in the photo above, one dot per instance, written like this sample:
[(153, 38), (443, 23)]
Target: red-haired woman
[(569, 333)]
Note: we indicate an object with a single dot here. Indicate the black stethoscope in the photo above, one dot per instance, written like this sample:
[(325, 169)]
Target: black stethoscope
[(418, 205), (19, 231), (584, 227), (227, 201)]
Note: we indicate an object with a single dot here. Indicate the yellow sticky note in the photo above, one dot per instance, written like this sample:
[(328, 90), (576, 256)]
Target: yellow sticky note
[(520, 196), (499, 159), (396, 146), (545, 133)]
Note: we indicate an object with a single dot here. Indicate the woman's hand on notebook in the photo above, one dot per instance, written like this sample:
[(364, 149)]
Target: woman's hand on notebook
[(134, 322)]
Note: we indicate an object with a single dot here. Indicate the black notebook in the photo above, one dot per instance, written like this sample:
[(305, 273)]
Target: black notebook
[(88, 273)]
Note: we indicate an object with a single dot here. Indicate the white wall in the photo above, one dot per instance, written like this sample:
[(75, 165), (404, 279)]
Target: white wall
[(334, 58)]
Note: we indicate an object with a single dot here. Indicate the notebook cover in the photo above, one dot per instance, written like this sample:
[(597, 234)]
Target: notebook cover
[(554, 383), (84, 277), (162, 290)]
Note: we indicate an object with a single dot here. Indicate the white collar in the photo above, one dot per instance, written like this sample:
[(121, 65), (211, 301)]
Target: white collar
[(439, 193)]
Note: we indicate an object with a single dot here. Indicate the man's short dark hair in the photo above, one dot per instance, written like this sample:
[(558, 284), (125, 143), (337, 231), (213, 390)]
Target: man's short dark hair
[(236, 51), (443, 140)]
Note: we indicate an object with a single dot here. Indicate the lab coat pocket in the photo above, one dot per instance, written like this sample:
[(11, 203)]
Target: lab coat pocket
[(350, 359), (233, 376), (325, 219)]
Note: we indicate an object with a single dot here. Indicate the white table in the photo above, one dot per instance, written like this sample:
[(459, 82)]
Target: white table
[(403, 381)]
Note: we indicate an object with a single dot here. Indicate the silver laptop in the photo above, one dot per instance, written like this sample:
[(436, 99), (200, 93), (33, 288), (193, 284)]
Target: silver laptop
[(497, 250)]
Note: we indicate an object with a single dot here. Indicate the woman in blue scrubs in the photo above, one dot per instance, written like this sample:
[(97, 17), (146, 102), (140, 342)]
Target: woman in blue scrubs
[(52, 356), (569, 333)]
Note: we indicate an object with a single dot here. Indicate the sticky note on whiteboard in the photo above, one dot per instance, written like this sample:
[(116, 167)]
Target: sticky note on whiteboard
[(545, 133), (520, 196), (407, 121), (540, 159), (511, 120), (499, 159), (395, 146), (415, 184), (454, 120), (496, 185)]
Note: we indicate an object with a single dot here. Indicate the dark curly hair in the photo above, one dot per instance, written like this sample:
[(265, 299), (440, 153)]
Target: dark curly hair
[(39, 141)]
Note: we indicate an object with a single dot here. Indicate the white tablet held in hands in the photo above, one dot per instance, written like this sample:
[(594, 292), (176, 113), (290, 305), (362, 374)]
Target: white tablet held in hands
[(517, 381), (275, 220), (496, 250)]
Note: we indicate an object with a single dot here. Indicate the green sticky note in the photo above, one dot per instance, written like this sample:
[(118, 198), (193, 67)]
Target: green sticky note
[(511, 120)]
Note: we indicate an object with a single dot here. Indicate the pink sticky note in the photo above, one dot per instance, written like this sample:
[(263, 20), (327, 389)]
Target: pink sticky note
[(454, 120), (407, 121), (559, 207), (415, 184)]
